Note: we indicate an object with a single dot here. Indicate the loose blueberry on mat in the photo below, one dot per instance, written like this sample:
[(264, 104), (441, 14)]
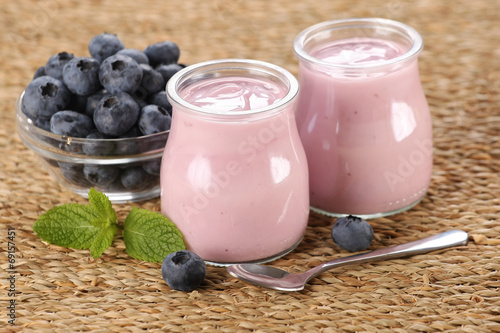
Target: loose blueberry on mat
[(104, 45), (183, 270), (120, 73), (100, 175), (135, 54), (352, 233), (116, 114), (81, 75), (55, 64), (44, 96), (162, 53), (71, 123), (154, 119)]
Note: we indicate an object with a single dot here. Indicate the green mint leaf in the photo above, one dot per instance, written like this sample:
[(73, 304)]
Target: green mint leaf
[(80, 226), (150, 236), (68, 225), (103, 240), (102, 204)]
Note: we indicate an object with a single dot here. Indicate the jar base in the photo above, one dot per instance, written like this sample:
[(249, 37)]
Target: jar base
[(369, 216), (257, 261)]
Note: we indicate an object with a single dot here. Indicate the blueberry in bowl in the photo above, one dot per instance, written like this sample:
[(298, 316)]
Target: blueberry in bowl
[(102, 120), (92, 159)]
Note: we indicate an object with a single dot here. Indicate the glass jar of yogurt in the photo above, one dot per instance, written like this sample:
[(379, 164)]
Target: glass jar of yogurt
[(363, 117), (234, 173)]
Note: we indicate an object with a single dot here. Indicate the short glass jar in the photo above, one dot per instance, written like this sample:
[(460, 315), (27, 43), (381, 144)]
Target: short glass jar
[(234, 173), (363, 117)]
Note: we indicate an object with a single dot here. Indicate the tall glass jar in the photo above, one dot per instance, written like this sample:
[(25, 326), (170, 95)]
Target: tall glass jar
[(363, 117), (234, 173)]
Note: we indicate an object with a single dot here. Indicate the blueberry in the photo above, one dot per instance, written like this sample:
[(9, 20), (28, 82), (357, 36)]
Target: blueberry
[(154, 119), (104, 45), (352, 233), (135, 54), (136, 178), (116, 114), (100, 175), (120, 73), (92, 102), (160, 99), (44, 96), (151, 83), (73, 173), (71, 123), (98, 147), (40, 71), (152, 167), (167, 71), (81, 75), (43, 123), (162, 53), (183, 270), (55, 64)]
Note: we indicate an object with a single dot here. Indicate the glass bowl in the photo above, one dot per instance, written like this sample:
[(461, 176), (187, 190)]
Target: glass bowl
[(125, 169)]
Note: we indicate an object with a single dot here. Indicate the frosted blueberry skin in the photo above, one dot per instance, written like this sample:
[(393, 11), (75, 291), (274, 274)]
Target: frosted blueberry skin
[(165, 53), (151, 83), (116, 114), (44, 96), (352, 233), (167, 71), (71, 123), (104, 45), (183, 270), (81, 76), (120, 73), (55, 64), (139, 56), (154, 119), (160, 99)]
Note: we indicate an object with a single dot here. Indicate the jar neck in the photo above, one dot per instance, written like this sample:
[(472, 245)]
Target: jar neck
[(225, 70), (407, 39)]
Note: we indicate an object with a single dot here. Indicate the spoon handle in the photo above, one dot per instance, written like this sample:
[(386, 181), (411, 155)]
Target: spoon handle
[(436, 242)]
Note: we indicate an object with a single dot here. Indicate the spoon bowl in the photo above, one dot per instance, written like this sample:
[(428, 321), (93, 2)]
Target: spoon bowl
[(275, 278)]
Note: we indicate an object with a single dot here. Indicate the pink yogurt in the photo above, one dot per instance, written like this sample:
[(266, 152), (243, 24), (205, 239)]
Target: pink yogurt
[(234, 179), (366, 128)]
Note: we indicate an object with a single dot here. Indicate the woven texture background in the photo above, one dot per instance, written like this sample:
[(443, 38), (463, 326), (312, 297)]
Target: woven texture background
[(457, 290)]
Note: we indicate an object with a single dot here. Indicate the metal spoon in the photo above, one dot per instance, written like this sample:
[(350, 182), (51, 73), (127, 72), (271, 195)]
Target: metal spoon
[(275, 278)]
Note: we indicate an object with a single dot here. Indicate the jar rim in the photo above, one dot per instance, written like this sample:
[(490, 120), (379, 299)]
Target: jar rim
[(212, 68), (381, 24)]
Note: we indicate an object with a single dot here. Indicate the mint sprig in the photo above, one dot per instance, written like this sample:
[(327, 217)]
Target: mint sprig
[(148, 236)]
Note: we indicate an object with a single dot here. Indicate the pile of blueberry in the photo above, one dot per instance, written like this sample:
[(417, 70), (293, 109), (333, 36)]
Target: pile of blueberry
[(115, 93)]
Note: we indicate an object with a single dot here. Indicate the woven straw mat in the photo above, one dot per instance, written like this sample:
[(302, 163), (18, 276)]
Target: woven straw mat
[(454, 290)]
